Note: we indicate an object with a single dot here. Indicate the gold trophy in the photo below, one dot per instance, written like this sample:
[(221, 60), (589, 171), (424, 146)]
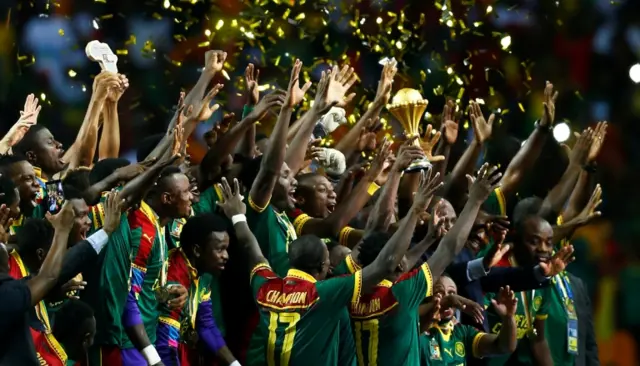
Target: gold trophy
[(408, 107)]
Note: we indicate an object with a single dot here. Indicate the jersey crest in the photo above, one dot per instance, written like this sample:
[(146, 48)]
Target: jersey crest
[(459, 349), (374, 304)]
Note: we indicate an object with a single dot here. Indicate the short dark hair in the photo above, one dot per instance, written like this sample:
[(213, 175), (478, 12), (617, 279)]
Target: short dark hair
[(28, 142), (6, 161), (307, 253), (106, 167), (78, 178), (8, 190), (529, 206), (249, 171), (71, 192), (70, 318), (371, 246), (160, 184), (199, 227), (147, 145), (33, 235)]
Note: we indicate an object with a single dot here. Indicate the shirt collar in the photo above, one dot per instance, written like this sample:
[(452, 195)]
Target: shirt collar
[(38, 172), (300, 275)]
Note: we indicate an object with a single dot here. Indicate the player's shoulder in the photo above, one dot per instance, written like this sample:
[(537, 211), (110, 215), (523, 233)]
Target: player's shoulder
[(423, 269), (277, 296), (377, 302)]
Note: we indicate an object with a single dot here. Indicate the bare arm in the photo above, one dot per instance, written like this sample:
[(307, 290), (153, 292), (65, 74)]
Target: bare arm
[(539, 345), (110, 138), (298, 145), (505, 341), (47, 278)]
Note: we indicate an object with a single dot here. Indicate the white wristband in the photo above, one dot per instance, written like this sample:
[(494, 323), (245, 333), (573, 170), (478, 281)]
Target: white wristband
[(151, 355), (238, 218), (235, 363)]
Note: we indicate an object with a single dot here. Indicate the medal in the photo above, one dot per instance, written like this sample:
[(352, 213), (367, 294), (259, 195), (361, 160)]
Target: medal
[(192, 337)]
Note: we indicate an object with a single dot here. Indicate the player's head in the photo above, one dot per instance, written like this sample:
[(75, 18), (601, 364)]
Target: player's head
[(337, 253), (285, 189), (371, 247), (78, 178), (105, 168), (443, 287), (81, 222), (205, 239), (147, 145), (34, 240), (10, 196), (262, 142), (315, 195), (21, 172), (309, 254), (532, 239), (75, 328), (41, 149), (172, 193)]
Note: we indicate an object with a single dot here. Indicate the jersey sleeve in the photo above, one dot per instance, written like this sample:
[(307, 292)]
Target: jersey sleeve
[(470, 338), (496, 204), (260, 274), (411, 288), (339, 291), (143, 234), (343, 236), (298, 219), (206, 326), (542, 298)]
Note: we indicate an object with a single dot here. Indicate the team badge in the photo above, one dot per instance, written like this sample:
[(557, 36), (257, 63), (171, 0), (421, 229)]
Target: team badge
[(459, 349), (537, 302), (177, 229), (435, 350)]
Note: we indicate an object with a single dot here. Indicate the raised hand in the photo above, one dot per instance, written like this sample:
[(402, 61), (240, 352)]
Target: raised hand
[(378, 164), (103, 83), (487, 180), (482, 128), (232, 201), (469, 307), (429, 184), (506, 303), (113, 207), (496, 252), (178, 295), (408, 154), (578, 155), (598, 139), (214, 61), (436, 226), (268, 102), (332, 90), (114, 94), (428, 143), (206, 109), (559, 262), (28, 118), (449, 128), (549, 104), (63, 220), (295, 94), (367, 138), (589, 212), (251, 75), (383, 94)]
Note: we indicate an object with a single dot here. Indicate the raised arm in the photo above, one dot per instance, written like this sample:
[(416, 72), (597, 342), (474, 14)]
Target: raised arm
[(505, 341), (384, 208), (28, 118), (82, 151), (454, 240), (247, 146), (109, 146), (234, 208), (331, 91), (587, 214), (557, 197), (383, 94), (273, 158), (455, 188), (449, 131), (528, 154), (391, 254), (47, 277)]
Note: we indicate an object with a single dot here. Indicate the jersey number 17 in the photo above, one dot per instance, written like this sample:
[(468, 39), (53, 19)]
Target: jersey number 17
[(370, 326), (288, 322)]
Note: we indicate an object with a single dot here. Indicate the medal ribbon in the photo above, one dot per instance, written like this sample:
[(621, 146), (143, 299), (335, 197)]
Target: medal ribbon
[(41, 309), (564, 286), (525, 302), (283, 220)]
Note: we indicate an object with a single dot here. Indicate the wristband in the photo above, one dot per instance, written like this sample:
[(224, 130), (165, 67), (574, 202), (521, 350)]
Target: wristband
[(151, 355), (373, 187), (543, 128), (235, 363), (246, 110), (238, 218), (590, 168)]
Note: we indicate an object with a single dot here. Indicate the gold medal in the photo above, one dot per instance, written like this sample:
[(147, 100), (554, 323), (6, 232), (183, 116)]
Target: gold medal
[(192, 337), (162, 294)]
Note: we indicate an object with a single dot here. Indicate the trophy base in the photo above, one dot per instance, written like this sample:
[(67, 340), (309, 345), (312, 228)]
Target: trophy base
[(418, 165)]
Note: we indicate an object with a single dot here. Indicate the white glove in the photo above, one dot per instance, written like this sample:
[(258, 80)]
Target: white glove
[(332, 161), (333, 119)]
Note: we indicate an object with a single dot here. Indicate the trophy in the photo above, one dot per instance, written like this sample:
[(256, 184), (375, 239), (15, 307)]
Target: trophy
[(408, 107), (101, 53)]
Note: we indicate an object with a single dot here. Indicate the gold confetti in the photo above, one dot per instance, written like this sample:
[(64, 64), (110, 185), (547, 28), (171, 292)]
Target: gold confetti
[(61, 32), (72, 73)]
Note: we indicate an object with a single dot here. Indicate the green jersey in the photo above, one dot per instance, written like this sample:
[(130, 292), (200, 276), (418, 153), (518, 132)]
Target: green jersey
[(385, 320), (208, 200), (448, 344), (297, 315), (132, 263), (347, 266), (532, 305), (274, 233), (556, 326), (496, 204)]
